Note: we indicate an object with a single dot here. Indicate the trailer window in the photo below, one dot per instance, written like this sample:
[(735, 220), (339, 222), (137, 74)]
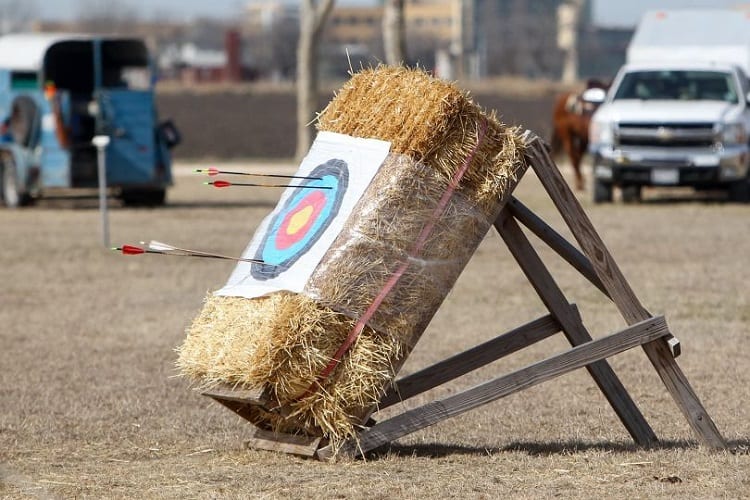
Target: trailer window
[(70, 66), (125, 65), (678, 85), (21, 80)]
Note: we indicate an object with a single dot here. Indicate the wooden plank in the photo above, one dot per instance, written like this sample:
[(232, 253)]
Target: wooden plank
[(247, 411), (556, 242), (619, 290), (470, 360), (568, 252), (305, 446), (259, 396), (573, 328), (437, 411)]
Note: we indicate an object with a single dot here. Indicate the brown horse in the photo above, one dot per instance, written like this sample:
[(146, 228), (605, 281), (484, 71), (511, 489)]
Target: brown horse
[(571, 119)]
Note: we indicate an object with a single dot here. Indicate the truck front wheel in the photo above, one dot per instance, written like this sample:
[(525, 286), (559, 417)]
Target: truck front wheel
[(631, 194), (144, 197), (602, 192), (740, 191)]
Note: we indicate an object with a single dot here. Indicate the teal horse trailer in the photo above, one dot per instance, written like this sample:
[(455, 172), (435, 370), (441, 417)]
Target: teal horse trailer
[(58, 92)]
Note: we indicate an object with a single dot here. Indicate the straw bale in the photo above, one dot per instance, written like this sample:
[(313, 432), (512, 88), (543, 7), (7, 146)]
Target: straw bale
[(283, 341)]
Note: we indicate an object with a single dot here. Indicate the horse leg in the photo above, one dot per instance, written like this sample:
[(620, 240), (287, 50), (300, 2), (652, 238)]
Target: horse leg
[(576, 155), (569, 145)]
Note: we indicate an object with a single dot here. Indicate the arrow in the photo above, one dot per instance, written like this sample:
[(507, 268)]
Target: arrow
[(157, 247), (223, 184), (212, 171)]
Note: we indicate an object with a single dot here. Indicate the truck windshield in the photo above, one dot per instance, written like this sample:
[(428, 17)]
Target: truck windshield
[(678, 85)]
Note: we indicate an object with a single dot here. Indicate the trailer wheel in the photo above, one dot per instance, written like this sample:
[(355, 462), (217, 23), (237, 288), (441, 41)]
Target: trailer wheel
[(24, 121), (631, 194), (602, 192), (144, 197), (13, 196)]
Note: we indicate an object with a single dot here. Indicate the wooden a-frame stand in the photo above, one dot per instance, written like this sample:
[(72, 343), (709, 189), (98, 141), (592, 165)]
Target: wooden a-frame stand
[(595, 263)]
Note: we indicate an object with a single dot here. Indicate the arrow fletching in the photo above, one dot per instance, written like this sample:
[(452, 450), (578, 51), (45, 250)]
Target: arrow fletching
[(129, 250), (167, 249), (160, 248)]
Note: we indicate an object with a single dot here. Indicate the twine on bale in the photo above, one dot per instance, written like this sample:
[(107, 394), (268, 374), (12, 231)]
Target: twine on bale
[(414, 253), (440, 142)]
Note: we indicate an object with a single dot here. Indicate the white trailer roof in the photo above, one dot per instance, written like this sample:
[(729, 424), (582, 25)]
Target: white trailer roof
[(25, 51), (709, 35)]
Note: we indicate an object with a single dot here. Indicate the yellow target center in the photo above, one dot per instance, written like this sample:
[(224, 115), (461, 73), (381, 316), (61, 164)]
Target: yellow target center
[(299, 219)]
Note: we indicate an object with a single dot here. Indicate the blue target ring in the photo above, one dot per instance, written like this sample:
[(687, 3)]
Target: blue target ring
[(302, 220)]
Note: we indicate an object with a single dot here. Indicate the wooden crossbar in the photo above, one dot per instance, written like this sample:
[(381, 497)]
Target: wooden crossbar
[(437, 411), (472, 359)]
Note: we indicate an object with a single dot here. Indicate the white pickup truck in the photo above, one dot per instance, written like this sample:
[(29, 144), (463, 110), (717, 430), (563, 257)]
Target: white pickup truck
[(678, 112)]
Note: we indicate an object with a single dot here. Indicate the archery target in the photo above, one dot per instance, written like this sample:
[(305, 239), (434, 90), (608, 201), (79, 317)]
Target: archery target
[(309, 216), (303, 217)]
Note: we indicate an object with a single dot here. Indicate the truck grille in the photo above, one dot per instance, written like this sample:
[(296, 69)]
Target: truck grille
[(666, 134)]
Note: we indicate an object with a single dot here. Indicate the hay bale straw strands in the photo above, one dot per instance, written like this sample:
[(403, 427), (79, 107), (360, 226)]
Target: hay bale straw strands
[(326, 355)]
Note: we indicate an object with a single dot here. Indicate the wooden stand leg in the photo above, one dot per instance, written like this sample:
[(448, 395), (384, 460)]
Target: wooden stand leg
[(554, 299), (622, 295)]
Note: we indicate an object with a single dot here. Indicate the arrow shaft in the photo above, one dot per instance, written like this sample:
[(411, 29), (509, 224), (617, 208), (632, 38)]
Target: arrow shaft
[(277, 176), (227, 184)]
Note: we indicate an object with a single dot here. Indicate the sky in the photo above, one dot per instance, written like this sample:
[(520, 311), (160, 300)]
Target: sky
[(620, 13)]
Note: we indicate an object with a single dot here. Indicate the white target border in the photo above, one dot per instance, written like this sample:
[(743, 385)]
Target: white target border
[(363, 158)]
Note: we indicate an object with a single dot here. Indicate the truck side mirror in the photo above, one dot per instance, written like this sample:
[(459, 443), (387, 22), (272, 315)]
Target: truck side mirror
[(747, 98), (594, 95)]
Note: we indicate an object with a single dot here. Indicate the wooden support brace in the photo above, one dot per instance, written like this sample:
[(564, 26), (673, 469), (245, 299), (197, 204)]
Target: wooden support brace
[(567, 251), (556, 242), (470, 360), (305, 446), (577, 357), (573, 328), (619, 290), (258, 397)]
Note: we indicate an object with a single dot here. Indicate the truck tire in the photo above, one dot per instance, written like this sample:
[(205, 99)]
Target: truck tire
[(24, 121), (631, 194), (602, 192), (144, 197), (739, 191), (13, 195)]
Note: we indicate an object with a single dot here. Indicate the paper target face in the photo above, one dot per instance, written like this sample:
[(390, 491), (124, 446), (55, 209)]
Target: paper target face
[(303, 218), (311, 213)]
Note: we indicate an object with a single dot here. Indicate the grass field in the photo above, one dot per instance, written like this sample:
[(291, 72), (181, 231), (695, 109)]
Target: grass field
[(91, 406)]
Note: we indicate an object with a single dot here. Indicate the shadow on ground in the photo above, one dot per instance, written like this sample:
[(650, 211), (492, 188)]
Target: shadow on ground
[(437, 450)]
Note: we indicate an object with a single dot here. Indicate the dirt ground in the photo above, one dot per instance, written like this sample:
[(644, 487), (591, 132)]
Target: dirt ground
[(252, 123), (91, 406)]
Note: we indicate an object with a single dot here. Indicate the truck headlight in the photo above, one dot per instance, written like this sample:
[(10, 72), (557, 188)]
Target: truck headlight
[(601, 133), (733, 133)]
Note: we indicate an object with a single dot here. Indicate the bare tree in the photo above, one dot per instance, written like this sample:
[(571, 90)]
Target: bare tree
[(394, 32), (16, 15), (313, 15), (568, 15)]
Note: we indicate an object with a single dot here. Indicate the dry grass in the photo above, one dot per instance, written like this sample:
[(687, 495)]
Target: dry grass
[(91, 407)]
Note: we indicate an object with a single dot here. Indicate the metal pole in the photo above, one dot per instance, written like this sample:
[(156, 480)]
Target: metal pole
[(101, 142)]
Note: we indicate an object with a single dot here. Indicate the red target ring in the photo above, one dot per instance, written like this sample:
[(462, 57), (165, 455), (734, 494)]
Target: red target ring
[(303, 218)]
